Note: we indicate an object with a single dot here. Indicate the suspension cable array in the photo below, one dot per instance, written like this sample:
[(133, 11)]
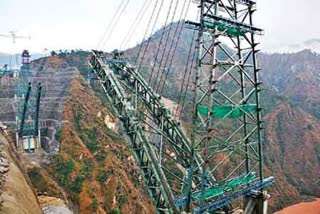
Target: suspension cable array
[(173, 46)]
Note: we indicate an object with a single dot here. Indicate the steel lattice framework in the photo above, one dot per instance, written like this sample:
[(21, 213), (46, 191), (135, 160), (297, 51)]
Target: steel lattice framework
[(227, 119), (162, 150), (224, 159), (28, 105), (160, 147)]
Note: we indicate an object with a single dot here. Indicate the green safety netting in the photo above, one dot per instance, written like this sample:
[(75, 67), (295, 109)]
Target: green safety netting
[(227, 186), (228, 111), (231, 31)]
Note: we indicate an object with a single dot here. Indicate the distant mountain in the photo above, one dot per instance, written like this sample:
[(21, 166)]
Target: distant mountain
[(295, 76), (310, 44)]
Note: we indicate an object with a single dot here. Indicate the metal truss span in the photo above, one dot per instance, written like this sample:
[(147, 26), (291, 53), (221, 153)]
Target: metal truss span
[(162, 150)]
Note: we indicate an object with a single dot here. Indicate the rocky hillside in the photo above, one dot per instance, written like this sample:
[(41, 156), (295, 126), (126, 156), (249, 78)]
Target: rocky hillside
[(16, 192), (292, 151), (94, 164), (85, 159)]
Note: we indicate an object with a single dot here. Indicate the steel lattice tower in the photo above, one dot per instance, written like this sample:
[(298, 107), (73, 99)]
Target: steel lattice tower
[(227, 119)]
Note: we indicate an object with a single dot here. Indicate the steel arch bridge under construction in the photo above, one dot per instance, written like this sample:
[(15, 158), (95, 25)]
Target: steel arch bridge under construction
[(223, 160)]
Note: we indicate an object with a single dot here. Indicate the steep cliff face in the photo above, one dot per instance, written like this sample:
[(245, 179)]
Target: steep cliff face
[(16, 192), (95, 166)]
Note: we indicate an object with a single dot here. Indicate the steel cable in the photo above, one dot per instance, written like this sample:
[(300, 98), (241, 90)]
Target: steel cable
[(174, 51), (153, 28), (161, 39), (163, 53), (135, 24), (115, 24), (146, 32), (110, 23), (185, 71)]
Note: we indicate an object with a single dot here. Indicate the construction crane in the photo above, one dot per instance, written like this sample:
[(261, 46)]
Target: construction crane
[(14, 36)]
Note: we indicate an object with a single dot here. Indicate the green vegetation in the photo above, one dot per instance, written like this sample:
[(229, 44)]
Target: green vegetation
[(58, 136), (37, 180), (77, 117), (94, 205), (76, 185), (75, 58), (89, 137), (103, 176), (115, 211), (122, 199), (87, 169), (63, 169), (41, 184)]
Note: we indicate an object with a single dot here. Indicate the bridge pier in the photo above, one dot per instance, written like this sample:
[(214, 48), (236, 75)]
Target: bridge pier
[(257, 204), (29, 144)]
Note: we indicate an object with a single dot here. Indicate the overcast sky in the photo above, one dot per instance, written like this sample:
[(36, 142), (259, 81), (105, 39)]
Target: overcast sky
[(75, 24)]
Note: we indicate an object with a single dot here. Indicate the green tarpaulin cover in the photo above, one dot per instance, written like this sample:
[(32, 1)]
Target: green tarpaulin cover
[(229, 111), (231, 31)]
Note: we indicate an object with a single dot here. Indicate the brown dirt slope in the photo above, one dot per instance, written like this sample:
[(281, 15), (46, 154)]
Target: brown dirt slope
[(94, 164), (16, 193)]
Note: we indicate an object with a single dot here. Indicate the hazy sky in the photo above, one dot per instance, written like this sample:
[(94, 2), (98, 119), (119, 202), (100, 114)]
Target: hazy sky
[(66, 24)]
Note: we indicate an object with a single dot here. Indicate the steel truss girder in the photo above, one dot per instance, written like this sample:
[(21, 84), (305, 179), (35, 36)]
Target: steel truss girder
[(162, 117), (154, 178)]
